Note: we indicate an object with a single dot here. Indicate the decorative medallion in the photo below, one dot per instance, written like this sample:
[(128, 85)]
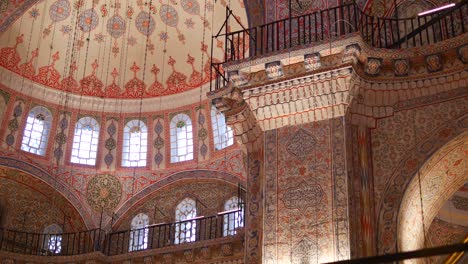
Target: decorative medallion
[(169, 15), (434, 62), (191, 6), (158, 128), (301, 144), (59, 10), (108, 159), (274, 69), (111, 129), (312, 61), (351, 53), (145, 23), (88, 20), (158, 142), (204, 149), (116, 26), (401, 67), (238, 78), (104, 192), (303, 196), (302, 252), (110, 144), (202, 134), (460, 202), (373, 66), (463, 53), (158, 158)]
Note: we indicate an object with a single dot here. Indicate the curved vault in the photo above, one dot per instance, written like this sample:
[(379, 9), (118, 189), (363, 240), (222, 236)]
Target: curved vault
[(116, 49), (32, 204), (441, 176)]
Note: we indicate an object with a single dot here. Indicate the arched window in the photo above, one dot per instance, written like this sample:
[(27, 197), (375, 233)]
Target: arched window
[(135, 142), (181, 138), (139, 233), (53, 239), (85, 141), (222, 133), (233, 218), (184, 228), (36, 131)]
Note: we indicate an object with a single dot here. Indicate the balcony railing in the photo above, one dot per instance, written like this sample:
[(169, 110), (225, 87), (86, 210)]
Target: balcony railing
[(333, 23), (164, 235), (65, 244), (121, 242)]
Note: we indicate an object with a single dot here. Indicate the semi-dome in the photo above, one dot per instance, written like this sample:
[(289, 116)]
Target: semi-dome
[(114, 48)]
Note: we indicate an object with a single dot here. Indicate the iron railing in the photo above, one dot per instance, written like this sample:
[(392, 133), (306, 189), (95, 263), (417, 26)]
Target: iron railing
[(120, 242), (169, 234), (333, 23), (64, 244)]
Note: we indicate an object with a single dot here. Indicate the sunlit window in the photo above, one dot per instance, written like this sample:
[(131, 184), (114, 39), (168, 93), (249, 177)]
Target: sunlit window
[(135, 144), (222, 134), (53, 239), (139, 233), (234, 218), (36, 131), (85, 141), (185, 227), (181, 138)]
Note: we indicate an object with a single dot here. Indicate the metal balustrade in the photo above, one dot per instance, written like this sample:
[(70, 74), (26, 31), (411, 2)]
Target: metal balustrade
[(334, 23), (121, 242), (170, 234), (65, 244)]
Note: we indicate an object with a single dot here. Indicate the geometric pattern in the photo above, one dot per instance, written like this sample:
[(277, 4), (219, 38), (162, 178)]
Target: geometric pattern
[(301, 144), (104, 192)]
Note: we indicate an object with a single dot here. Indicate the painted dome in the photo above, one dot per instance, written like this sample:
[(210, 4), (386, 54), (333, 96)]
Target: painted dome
[(114, 48)]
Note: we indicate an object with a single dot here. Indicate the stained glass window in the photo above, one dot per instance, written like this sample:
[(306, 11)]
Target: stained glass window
[(85, 141), (181, 138), (135, 144), (37, 130)]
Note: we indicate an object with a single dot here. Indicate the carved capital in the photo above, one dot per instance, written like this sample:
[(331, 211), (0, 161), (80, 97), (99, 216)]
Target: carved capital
[(238, 115)]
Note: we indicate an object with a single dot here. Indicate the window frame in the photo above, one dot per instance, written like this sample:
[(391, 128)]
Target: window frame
[(29, 131), (231, 224), (53, 233), (177, 147), (126, 152), (135, 231), (94, 136), (181, 222)]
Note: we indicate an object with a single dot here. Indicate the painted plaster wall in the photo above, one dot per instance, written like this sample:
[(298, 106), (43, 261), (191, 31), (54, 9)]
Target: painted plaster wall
[(305, 215)]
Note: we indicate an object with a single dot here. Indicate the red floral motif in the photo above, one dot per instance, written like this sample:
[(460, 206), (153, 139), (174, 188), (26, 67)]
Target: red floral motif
[(48, 75), (135, 87), (91, 85), (113, 90), (156, 88), (9, 57), (176, 81), (69, 83), (27, 69)]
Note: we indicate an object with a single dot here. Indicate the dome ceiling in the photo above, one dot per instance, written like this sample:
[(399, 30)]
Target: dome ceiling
[(116, 48)]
